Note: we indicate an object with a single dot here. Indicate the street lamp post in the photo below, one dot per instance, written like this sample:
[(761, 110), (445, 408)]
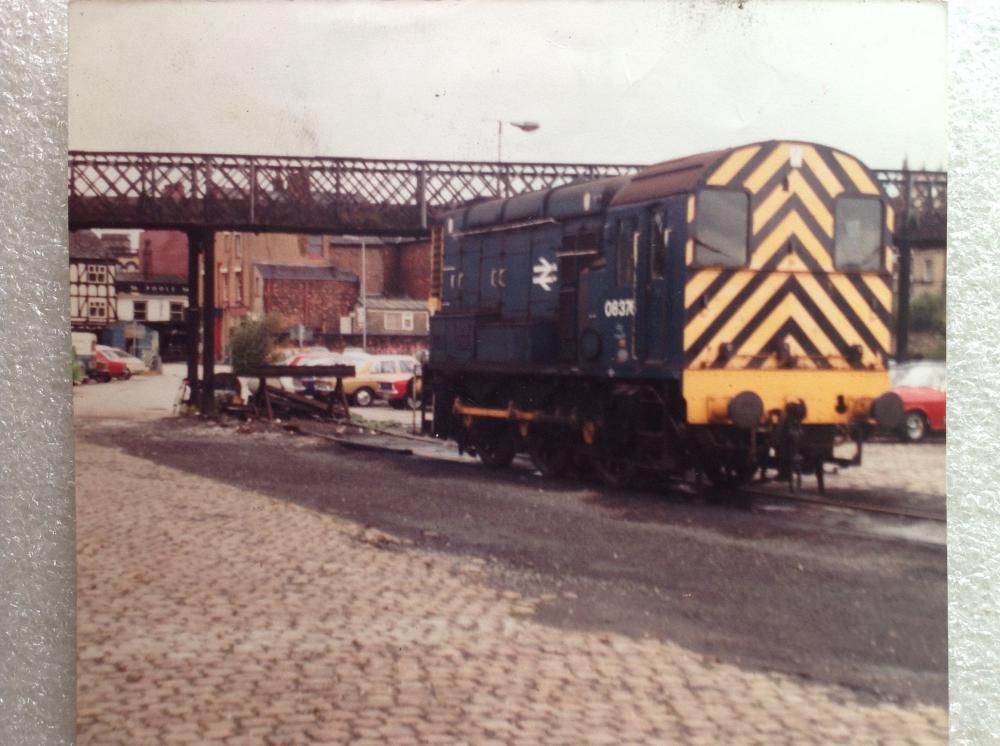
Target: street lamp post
[(364, 297), (524, 127)]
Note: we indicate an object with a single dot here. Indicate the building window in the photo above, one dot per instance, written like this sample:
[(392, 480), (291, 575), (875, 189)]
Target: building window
[(238, 246), (393, 321), (928, 269), (238, 286), (408, 321), (314, 246), (139, 310), (97, 308), (176, 311), (223, 283), (97, 273)]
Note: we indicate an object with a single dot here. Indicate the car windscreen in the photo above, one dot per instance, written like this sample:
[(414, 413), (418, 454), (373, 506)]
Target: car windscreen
[(923, 376)]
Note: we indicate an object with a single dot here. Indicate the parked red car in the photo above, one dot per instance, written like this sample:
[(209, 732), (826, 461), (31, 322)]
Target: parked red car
[(104, 367), (922, 387), (399, 392)]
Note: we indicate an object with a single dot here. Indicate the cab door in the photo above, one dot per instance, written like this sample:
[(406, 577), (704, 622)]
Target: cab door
[(661, 270), (653, 279)]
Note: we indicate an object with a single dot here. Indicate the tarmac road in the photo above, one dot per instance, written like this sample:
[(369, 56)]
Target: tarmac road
[(747, 588)]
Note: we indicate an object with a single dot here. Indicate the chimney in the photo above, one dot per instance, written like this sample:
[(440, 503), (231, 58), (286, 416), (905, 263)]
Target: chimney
[(146, 259)]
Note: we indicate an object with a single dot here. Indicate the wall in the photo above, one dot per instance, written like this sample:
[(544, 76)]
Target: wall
[(157, 307), (376, 323), (81, 291), (316, 304), (415, 270), (378, 265), (921, 282), (163, 253)]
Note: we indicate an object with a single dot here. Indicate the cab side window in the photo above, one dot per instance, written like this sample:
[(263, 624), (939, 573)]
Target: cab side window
[(722, 218)]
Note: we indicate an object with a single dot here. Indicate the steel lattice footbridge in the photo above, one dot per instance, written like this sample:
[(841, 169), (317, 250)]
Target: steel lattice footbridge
[(187, 191)]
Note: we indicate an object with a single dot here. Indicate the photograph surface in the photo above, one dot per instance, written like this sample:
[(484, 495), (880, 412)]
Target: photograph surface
[(507, 373)]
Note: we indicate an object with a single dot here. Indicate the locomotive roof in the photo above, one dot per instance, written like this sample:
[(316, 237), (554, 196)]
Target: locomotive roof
[(677, 176)]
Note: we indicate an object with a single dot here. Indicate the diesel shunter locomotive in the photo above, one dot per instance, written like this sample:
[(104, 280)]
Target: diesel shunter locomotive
[(723, 314)]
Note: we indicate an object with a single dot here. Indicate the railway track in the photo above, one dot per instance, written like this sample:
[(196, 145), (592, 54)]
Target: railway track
[(735, 495), (847, 505)]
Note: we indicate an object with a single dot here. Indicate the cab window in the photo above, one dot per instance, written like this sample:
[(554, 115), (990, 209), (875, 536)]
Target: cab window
[(626, 252), (721, 228), (858, 234), (658, 245)]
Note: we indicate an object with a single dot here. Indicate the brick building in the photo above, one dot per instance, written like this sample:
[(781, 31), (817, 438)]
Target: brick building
[(305, 279), (318, 298), (163, 253)]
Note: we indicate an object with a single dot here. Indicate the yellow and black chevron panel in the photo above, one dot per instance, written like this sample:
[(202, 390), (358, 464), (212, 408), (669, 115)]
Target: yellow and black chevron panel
[(788, 306)]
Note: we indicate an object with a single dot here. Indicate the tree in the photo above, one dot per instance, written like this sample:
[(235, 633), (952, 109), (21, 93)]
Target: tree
[(252, 342)]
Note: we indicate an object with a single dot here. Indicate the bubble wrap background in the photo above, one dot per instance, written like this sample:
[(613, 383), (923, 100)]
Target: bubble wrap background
[(973, 384), (36, 507), (37, 688)]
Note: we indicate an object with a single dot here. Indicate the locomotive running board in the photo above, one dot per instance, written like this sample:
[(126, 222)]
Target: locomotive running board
[(500, 414)]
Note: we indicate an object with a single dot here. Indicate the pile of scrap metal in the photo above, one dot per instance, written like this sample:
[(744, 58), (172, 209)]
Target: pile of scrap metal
[(268, 400)]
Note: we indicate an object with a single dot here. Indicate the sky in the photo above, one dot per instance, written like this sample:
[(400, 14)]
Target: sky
[(623, 82)]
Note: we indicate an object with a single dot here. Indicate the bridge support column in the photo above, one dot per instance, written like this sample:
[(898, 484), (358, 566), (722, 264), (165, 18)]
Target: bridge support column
[(192, 317), (422, 197), (903, 300), (905, 266), (207, 241)]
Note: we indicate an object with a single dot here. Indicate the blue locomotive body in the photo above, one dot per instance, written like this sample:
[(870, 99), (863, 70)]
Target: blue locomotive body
[(558, 282)]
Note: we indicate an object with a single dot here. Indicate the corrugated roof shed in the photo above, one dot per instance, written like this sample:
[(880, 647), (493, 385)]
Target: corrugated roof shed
[(270, 271), (395, 304)]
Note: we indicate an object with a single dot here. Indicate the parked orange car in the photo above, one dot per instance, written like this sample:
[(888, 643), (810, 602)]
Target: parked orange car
[(369, 373)]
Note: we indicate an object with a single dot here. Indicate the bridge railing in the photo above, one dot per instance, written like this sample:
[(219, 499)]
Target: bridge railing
[(305, 194), (920, 200), (141, 189)]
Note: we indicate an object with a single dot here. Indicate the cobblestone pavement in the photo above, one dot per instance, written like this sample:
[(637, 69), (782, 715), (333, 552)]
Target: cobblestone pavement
[(212, 614)]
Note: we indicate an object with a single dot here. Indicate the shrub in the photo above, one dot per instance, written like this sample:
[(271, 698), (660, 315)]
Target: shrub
[(927, 313), (251, 343)]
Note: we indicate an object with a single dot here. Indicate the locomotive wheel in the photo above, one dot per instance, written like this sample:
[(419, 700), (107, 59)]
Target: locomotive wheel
[(614, 472), (551, 460), (729, 476), (497, 453)]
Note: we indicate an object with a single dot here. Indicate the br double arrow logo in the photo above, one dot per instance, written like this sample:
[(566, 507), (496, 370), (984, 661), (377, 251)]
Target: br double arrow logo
[(545, 274)]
